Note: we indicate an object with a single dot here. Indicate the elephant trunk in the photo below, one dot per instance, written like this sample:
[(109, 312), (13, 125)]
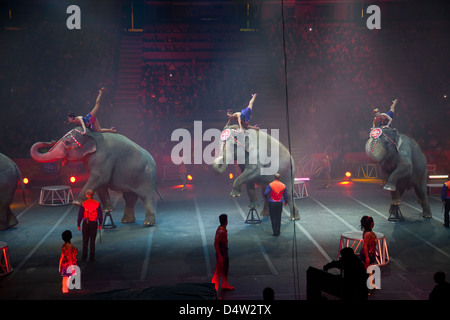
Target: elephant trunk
[(219, 165), (375, 150), (49, 156)]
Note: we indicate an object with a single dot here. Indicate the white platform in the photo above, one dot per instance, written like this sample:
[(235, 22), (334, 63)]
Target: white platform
[(56, 196), (354, 240), (5, 263), (300, 190)]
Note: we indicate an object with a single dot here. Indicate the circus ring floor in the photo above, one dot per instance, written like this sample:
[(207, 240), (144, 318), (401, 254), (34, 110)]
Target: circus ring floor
[(179, 249)]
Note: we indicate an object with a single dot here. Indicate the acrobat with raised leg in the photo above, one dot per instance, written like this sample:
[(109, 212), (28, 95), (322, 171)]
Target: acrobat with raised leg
[(384, 119), (244, 116), (90, 120)]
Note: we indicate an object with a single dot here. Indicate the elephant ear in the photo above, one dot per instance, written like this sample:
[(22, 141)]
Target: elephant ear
[(393, 136), (86, 141)]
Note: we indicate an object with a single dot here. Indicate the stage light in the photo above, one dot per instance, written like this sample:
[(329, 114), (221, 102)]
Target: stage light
[(344, 183), (437, 176), (73, 179), (189, 177), (348, 174), (25, 180), (231, 176)]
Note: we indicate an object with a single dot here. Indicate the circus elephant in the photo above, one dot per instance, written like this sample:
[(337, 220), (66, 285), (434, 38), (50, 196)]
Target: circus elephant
[(9, 175), (258, 160), (403, 163), (113, 161)]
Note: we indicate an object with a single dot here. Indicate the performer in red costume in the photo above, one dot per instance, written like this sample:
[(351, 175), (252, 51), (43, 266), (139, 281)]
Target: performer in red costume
[(222, 261)]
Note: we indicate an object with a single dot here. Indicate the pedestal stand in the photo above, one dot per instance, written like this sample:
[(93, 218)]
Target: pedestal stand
[(395, 213), (251, 216), (111, 225)]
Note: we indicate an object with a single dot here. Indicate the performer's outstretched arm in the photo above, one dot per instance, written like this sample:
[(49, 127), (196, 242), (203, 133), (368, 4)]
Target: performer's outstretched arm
[(80, 119)]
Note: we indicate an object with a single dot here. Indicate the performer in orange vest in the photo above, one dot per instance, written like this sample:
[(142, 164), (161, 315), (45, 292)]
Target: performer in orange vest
[(91, 214), (276, 193), (445, 197)]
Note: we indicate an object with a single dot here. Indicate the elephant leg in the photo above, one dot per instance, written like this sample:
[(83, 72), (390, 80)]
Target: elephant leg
[(105, 199), (396, 196), (292, 206), (265, 210), (251, 191), (7, 217), (12, 220), (149, 211), (130, 201), (94, 182), (421, 193), (402, 170), (250, 173)]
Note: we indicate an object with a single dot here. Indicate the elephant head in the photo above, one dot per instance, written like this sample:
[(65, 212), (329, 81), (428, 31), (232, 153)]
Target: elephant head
[(234, 146), (383, 144), (73, 146)]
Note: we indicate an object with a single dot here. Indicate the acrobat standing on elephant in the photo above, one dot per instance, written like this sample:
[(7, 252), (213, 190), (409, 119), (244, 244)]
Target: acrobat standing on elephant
[(90, 120)]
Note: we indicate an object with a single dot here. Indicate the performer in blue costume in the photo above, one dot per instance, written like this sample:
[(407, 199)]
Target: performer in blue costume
[(90, 120), (385, 119), (244, 116)]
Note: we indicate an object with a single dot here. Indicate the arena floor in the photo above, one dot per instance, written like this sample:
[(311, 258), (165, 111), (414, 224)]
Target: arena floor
[(178, 252)]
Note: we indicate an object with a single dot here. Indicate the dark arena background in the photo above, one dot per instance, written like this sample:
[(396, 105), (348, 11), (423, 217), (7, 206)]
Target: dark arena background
[(319, 68)]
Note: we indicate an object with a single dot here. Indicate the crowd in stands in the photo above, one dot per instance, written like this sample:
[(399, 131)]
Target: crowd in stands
[(189, 90), (46, 71), (337, 73)]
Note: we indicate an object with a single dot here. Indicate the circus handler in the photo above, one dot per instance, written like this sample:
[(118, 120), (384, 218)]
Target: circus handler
[(90, 213), (243, 117), (90, 120), (384, 119), (276, 193)]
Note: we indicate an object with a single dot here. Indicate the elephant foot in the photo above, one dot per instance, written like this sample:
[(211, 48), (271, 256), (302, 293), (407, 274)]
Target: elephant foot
[(125, 220), (77, 202), (265, 213), (235, 193), (149, 221), (426, 215), (128, 215), (396, 203), (108, 209), (390, 187), (253, 204)]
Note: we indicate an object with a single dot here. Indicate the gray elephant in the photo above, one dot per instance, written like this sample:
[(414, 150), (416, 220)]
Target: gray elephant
[(403, 163), (256, 156), (113, 161), (9, 174)]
